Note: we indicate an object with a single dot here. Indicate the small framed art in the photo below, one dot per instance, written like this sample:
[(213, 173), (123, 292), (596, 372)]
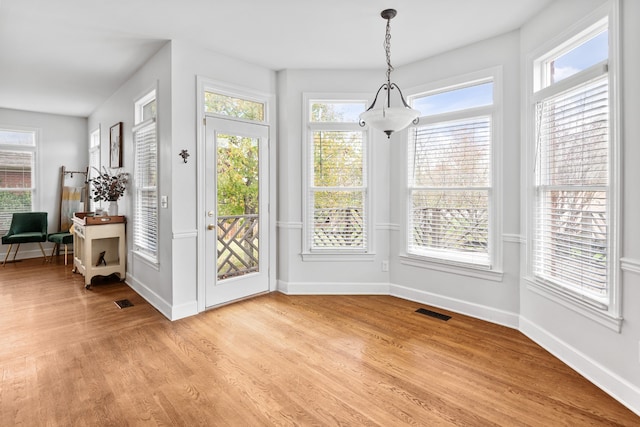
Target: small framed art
[(115, 145)]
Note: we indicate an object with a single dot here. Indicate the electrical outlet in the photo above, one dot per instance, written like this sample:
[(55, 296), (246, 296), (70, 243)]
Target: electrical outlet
[(385, 265)]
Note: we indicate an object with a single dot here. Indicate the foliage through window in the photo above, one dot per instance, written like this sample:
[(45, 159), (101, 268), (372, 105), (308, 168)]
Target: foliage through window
[(238, 174), (17, 184), (337, 194), (335, 112), (234, 107), (449, 182)]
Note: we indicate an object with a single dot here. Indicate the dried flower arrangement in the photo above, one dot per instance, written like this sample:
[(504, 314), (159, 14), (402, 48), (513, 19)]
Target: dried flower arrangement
[(109, 187)]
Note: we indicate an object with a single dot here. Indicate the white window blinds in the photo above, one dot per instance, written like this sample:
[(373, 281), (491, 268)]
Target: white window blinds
[(338, 190), (449, 186), (145, 227), (572, 170)]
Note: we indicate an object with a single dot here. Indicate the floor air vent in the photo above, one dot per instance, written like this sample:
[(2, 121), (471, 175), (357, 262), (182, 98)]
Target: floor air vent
[(433, 314), (123, 303)]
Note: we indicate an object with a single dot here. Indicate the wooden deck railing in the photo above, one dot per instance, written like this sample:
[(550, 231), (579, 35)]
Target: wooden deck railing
[(238, 242), (338, 228), (464, 229)]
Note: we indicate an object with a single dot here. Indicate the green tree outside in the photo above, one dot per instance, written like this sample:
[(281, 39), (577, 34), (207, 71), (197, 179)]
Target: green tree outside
[(238, 175)]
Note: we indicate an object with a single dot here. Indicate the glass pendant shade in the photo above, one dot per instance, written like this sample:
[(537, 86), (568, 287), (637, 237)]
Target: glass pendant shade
[(389, 120)]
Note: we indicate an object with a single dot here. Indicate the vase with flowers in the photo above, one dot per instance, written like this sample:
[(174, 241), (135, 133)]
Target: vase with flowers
[(109, 187)]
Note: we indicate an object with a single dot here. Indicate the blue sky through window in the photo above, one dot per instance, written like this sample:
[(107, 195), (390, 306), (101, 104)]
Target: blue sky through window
[(581, 57), (17, 137), (454, 100)]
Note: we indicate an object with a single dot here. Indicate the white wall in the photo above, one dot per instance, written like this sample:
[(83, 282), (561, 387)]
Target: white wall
[(332, 277), (189, 62), (63, 141), (607, 357), (151, 281), (494, 299)]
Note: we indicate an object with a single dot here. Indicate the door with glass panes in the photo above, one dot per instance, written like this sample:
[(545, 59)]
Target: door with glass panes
[(236, 216)]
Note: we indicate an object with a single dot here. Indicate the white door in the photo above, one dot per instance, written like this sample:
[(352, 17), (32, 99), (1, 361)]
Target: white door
[(236, 210)]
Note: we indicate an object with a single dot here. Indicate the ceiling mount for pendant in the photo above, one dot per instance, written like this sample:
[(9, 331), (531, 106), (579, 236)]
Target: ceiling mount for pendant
[(389, 14), (388, 118)]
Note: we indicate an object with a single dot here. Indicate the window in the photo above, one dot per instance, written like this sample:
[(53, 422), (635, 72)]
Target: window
[(145, 140), (450, 178), (17, 180), (573, 248), (337, 174), (571, 58), (94, 160), (228, 105)]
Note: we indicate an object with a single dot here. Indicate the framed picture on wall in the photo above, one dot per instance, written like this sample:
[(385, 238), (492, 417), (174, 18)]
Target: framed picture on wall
[(115, 145)]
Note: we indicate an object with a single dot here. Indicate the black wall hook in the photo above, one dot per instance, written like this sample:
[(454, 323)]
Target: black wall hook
[(184, 154)]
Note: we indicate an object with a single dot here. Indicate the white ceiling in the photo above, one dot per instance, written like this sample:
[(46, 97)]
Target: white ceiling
[(68, 56)]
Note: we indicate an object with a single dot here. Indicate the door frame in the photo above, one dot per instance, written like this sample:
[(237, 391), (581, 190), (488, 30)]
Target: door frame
[(207, 84)]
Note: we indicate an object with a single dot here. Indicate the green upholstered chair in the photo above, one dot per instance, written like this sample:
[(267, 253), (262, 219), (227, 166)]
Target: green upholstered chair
[(26, 227), (62, 238)]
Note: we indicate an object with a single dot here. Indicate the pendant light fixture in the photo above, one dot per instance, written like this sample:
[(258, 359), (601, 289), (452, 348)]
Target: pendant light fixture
[(386, 117)]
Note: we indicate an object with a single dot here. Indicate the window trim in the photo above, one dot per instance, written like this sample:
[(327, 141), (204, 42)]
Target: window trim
[(36, 185), (610, 314), (308, 127), (141, 102), (494, 271)]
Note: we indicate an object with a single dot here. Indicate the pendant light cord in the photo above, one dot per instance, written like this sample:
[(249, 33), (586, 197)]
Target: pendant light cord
[(387, 50)]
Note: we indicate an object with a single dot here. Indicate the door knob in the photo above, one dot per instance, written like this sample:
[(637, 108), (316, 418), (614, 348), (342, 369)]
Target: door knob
[(211, 227)]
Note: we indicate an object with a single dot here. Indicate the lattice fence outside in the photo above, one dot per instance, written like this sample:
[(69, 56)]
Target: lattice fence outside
[(338, 228), (238, 242)]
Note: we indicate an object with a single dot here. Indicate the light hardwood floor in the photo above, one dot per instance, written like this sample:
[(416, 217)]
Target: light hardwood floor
[(69, 356)]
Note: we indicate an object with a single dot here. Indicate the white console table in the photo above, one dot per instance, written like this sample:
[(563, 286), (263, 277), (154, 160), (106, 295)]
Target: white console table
[(91, 237)]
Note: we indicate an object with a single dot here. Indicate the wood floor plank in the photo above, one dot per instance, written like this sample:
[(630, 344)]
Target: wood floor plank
[(71, 357)]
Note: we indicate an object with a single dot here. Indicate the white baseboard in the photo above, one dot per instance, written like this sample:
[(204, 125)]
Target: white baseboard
[(184, 310), (490, 314), (611, 383), (26, 253), (152, 298), (463, 307), (171, 312), (332, 288)]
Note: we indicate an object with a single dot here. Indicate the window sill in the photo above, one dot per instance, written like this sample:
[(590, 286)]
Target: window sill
[(587, 308), (470, 270), (146, 259), (338, 256)]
